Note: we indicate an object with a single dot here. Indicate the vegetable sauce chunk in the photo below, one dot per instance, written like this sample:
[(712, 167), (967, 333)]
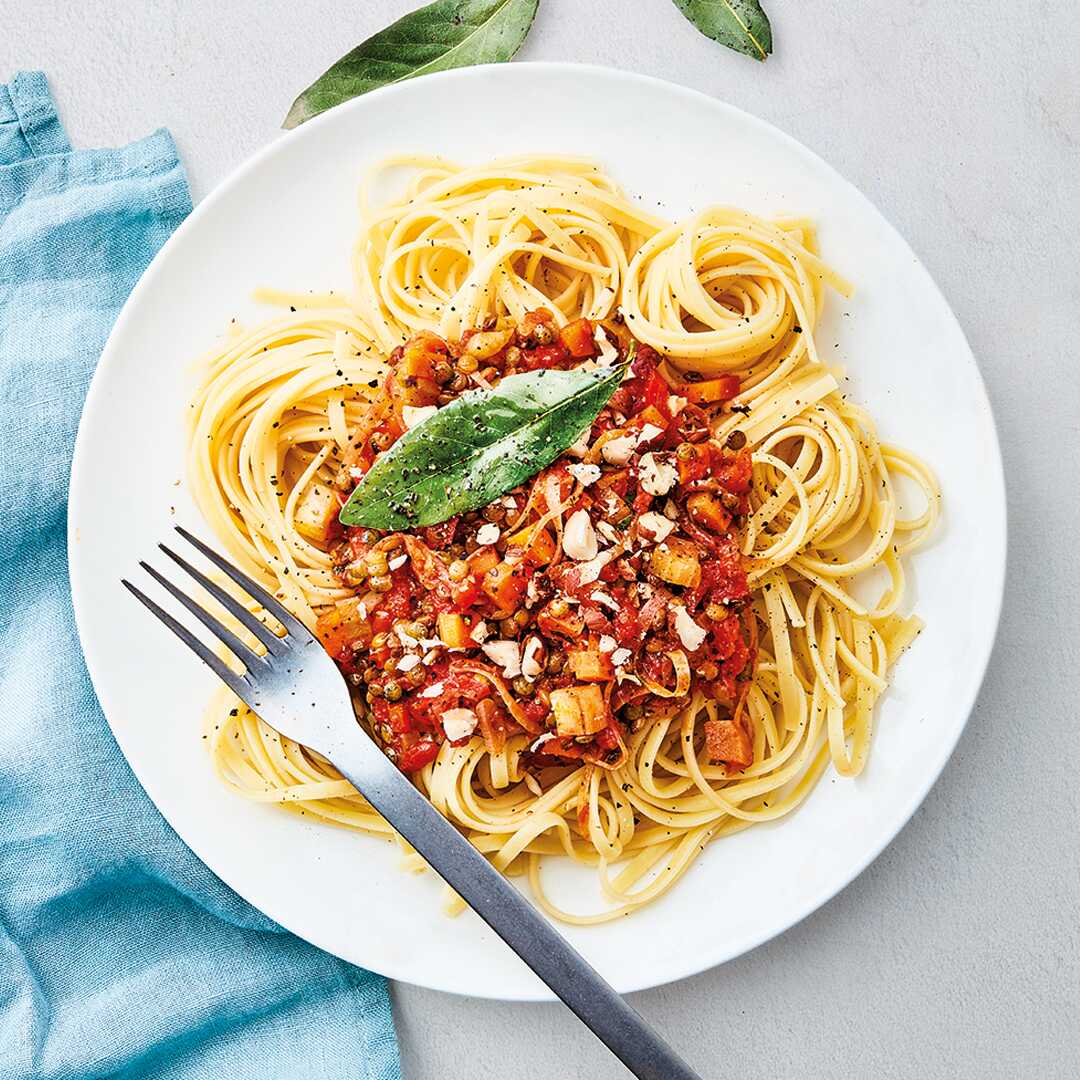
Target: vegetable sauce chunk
[(606, 587)]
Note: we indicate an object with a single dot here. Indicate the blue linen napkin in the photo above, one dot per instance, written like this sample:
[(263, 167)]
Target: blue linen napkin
[(121, 955)]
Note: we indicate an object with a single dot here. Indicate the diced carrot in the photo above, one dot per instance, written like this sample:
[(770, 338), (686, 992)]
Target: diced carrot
[(708, 511), (505, 585), (454, 630), (590, 665), (342, 626), (709, 390), (579, 710), (617, 333), (538, 544), (676, 561), (650, 415), (578, 338), (728, 741), (482, 560), (420, 353), (414, 375)]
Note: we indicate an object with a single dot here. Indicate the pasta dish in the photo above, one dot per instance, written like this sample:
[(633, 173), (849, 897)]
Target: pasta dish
[(611, 564)]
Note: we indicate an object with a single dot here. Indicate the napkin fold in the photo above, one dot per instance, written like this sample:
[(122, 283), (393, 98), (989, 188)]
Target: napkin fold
[(121, 955)]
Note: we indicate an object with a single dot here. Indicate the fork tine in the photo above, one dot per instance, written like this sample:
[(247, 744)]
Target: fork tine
[(215, 663), (272, 604), (243, 652), (230, 603)]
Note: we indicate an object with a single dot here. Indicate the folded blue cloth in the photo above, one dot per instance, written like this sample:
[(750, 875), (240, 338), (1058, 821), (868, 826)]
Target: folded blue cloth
[(121, 955)]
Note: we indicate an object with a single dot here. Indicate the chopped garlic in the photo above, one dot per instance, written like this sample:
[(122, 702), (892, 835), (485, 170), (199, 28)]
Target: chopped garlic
[(434, 690), (408, 662), (620, 657), (406, 639), (458, 723), (657, 476), (601, 597), (588, 572), (607, 531), (507, 654), (690, 634), (655, 525), (579, 537), (398, 561), (480, 632), (608, 353), (413, 414), (530, 664), (648, 433), (607, 643), (618, 450), (584, 474), (487, 534)]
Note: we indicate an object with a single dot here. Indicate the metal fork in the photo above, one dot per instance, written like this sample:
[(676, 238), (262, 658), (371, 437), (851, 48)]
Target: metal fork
[(297, 689)]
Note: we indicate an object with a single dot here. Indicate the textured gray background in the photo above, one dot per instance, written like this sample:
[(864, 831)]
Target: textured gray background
[(956, 953)]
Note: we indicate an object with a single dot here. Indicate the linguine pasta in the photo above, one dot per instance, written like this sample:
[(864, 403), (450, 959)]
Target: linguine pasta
[(721, 293)]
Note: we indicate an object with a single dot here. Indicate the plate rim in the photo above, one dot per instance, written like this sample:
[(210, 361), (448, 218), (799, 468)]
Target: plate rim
[(996, 532)]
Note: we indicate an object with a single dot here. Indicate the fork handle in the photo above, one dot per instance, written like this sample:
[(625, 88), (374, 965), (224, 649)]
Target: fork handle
[(509, 914)]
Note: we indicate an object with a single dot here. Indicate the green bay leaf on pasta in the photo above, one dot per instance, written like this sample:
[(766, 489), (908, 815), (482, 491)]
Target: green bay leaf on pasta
[(478, 447)]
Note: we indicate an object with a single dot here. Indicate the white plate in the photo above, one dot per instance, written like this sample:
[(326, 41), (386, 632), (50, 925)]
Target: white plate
[(288, 218)]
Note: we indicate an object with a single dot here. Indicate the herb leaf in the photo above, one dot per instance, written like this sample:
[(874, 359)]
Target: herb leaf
[(739, 24), (442, 35), (478, 447)]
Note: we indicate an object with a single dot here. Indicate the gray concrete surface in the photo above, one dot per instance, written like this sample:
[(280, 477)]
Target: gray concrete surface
[(956, 954)]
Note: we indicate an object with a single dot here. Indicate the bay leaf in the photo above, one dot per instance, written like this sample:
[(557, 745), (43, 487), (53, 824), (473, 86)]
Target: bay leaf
[(739, 24), (479, 446), (442, 35)]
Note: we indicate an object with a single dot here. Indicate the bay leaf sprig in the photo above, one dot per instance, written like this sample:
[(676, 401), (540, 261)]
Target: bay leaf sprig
[(739, 24), (444, 34), (479, 446)]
